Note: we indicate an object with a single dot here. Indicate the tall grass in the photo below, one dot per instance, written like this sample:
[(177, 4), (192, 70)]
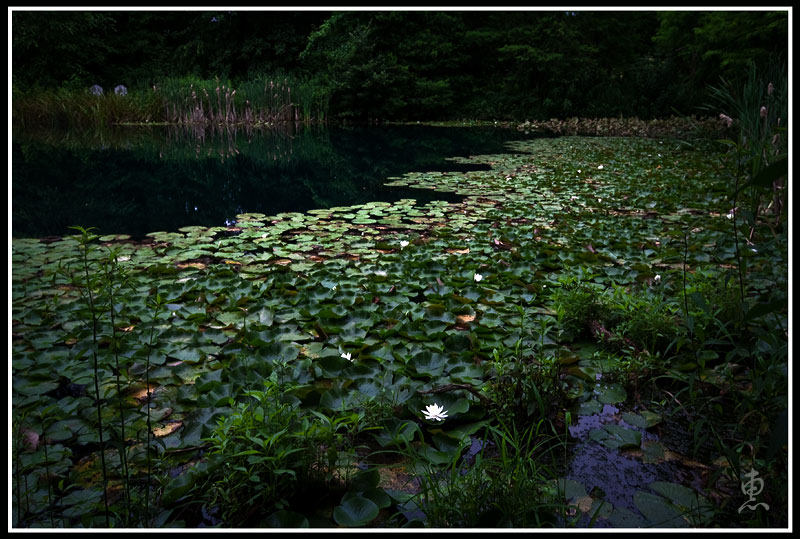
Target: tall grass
[(67, 109), (263, 100)]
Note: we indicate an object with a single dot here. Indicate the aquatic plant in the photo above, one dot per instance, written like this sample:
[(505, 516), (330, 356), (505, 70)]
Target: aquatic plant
[(286, 298)]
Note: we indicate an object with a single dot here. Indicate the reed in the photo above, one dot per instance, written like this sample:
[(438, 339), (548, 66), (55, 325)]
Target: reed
[(68, 109), (262, 101)]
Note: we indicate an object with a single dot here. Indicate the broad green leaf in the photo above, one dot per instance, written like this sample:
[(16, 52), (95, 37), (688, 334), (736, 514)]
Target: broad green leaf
[(355, 511)]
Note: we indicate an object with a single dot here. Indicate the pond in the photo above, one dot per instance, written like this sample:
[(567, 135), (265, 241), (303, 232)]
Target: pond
[(140, 180), (365, 316)]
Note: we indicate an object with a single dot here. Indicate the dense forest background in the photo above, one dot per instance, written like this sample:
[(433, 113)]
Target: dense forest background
[(412, 65)]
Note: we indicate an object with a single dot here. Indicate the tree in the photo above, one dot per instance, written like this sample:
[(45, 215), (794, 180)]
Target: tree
[(51, 49), (700, 48)]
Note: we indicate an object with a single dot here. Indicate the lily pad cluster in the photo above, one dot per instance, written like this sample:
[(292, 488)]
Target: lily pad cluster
[(375, 303)]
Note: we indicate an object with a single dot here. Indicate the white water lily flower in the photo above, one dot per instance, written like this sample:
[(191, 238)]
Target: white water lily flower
[(348, 356), (435, 412), (657, 278), (403, 243), (380, 273), (478, 277), (600, 167)]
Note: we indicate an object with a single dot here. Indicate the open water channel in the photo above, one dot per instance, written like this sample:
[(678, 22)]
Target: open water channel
[(139, 180)]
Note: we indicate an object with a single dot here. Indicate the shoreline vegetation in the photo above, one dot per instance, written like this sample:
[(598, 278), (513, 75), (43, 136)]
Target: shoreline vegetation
[(187, 101), (270, 105)]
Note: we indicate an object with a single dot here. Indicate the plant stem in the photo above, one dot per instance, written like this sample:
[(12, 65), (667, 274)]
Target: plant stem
[(85, 243), (115, 345), (156, 306)]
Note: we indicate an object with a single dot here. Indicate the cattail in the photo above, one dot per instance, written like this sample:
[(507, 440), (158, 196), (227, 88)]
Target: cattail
[(770, 89), (727, 119), (763, 112)]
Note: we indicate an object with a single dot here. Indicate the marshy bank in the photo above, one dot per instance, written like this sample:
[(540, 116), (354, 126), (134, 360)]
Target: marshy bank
[(262, 101)]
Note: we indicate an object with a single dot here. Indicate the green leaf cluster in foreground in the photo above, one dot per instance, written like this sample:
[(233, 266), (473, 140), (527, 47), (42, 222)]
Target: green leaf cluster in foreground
[(241, 369)]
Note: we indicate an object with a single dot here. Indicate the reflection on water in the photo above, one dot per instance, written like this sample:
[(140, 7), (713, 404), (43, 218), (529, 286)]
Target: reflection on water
[(618, 475), (139, 180)]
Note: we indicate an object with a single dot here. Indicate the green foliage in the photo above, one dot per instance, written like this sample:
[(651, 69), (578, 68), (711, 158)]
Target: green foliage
[(263, 100), (63, 108), (758, 158), (720, 44), (59, 48), (672, 127), (208, 314), (645, 317), (507, 483), (578, 302), (268, 450), (409, 65)]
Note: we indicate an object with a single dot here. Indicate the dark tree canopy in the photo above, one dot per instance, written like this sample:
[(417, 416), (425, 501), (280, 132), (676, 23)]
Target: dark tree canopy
[(413, 64)]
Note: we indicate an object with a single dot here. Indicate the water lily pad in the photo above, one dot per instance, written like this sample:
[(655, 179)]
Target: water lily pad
[(644, 420), (285, 519), (355, 511), (590, 407), (571, 489), (620, 517), (611, 394), (616, 436), (653, 452), (673, 505)]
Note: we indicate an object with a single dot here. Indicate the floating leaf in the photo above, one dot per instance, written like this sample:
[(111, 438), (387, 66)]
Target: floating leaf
[(673, 506), (611, 394), (652, 452), (285, 519), (355, 511), (616, 436), (644, 420)]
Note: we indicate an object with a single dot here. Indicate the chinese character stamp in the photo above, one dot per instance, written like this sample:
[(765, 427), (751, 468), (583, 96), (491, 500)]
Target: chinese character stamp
[(751, 488)]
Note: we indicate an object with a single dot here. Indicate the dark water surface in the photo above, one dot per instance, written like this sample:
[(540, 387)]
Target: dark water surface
[(140, 180)]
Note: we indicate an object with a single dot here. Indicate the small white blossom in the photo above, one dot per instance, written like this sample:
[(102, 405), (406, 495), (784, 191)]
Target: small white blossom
[(478, 277), (403, 243), (380, 273), (348, 356), (657, 278), (600, 167), (435, 412)]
